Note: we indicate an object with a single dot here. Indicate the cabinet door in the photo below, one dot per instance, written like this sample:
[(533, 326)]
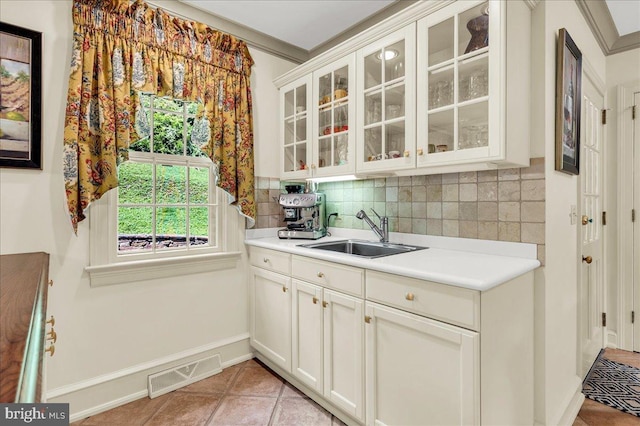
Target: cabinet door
[(270, 315), (334, 118), (343, 352), (295, 128), (420, 371), (460, 84), (307, 334), (386, 102)]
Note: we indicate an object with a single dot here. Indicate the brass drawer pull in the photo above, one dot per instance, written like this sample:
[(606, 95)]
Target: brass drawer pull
[(315, 300), (367, 319), (52, 321), (284, 289), (325, 304), (51, 349), (320, 275), (265, 260), (409, 296)]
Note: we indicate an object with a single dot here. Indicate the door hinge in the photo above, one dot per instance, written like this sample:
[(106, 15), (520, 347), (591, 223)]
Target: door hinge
[(633, 112), (633, 215), (604, 319), (633, 317), (604, 218), (604, 116)]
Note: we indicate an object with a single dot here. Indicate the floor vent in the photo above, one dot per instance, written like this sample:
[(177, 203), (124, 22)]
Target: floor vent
[(183, 375)]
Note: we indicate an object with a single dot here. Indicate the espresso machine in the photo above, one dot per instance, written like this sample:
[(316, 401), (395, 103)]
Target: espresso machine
[(304, 213)]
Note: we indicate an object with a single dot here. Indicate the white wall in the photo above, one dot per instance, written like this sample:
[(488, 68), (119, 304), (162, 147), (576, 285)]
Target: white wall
[(557, 382), (623, 69), (103, 331)]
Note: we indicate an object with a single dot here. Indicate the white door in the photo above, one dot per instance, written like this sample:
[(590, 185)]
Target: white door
[(420, 371), (591, 286), (307, 334), (344, 352), (270, 316)]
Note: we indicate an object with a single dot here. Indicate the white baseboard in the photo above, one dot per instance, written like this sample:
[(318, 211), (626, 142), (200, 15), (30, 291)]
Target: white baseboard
[(571, 412), (612, 339), (93, 396)]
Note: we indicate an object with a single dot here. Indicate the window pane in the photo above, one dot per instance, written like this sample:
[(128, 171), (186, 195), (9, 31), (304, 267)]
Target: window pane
[(170, 184), (167, 134), (135, 183), (171, 221), (199, 225), (168, 104), (199, 185), (135, 229)]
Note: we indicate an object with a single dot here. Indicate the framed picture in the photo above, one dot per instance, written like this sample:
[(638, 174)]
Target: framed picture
[(20, 97), (568, 95)]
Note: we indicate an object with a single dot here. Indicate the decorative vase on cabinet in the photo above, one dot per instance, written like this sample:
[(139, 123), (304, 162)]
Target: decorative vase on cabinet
[(464, 90)]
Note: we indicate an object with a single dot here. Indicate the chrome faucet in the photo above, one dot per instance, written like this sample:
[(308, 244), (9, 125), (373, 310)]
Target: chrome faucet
[(383, 231)]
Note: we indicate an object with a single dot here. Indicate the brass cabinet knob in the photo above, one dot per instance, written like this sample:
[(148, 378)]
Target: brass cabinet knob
[(586, 219), (587, 259), (50, 283), (420, 152), (407, 153), (52, 321), (320, 275), (51, 349), (52, 335), (325, 304), (409, 296), (284, 289), (367, 319), (315, 300)]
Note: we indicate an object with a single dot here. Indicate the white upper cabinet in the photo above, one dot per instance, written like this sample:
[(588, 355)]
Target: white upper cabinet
[(295, 128), (386, 103), (334, 118), (464, 91)]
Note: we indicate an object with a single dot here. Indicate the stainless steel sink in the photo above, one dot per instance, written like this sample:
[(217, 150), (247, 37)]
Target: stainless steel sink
[(368, 249)]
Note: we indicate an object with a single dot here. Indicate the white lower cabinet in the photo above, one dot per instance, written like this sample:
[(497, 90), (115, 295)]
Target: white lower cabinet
[(270, 315), (328, 343), (420, 371)]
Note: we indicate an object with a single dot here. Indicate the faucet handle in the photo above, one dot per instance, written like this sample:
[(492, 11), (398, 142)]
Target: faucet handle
[(376, 213)]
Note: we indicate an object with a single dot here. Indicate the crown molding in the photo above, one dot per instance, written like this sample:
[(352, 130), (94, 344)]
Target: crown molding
[(599, 19)]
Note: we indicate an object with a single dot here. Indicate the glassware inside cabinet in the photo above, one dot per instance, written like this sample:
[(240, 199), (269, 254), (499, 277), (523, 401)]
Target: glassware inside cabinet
[(393, 59), (341, 83), (441, 87), (394, 102), (473, 81), (373, 144), (373, 108), (473, 125), (324, 152), (394, 140)]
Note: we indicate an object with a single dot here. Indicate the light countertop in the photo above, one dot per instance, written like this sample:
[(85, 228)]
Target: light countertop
[(473, 264)]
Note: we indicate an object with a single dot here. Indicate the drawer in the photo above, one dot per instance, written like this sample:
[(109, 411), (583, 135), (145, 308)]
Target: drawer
[(327, 274), (270, 260), (446, 303)]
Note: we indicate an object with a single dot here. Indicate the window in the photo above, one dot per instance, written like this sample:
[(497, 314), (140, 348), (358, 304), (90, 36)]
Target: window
[(167, 197), (166, 206)]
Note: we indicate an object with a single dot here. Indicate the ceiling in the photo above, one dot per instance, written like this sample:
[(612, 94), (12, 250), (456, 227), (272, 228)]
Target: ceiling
[(307, 24), (302, 23)]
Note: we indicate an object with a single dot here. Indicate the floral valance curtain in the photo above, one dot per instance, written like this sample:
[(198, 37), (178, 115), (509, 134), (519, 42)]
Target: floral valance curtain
[(122, 49)]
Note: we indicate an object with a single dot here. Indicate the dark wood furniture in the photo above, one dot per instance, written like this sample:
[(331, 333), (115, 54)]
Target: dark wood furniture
[(23, 307)]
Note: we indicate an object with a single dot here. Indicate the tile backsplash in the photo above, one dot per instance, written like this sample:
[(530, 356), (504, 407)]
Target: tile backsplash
[(503, 205)]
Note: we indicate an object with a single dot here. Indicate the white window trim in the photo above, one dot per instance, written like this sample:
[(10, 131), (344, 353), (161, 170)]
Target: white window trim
[(107, 268)]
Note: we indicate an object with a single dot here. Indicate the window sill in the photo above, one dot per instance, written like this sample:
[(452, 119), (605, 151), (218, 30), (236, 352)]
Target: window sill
[(141, 270)]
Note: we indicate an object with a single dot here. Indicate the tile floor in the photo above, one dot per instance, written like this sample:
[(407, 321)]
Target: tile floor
[(595, 414), (244, 394)]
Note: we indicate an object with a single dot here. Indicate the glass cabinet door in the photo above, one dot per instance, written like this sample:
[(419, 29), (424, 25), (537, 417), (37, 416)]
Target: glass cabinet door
[(386, 92), (334, 96), (296, 138), (453, 83)]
